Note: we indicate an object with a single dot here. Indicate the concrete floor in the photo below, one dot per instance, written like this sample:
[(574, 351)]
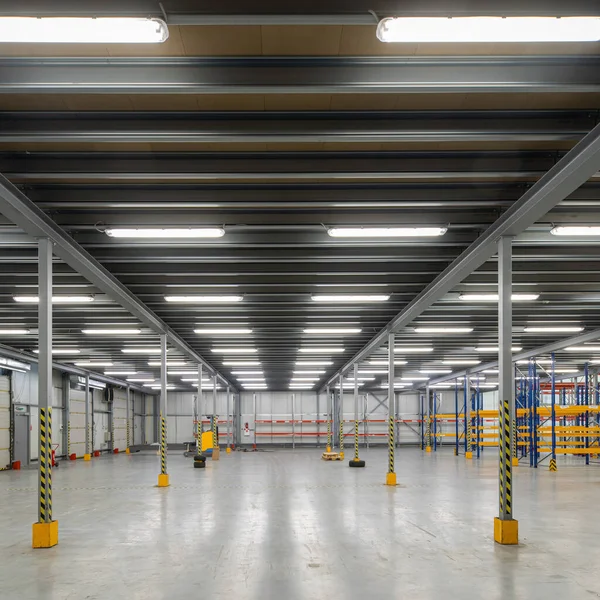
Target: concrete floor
[(284, 524)]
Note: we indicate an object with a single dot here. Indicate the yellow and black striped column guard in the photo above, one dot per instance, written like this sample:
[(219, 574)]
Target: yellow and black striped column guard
[(552, 466), (68, 438), (356, 440), (45, 512), (328, 434), (163, 445), (391, 474), (214, 432), (505, 464), (199, 436), (342, 436)]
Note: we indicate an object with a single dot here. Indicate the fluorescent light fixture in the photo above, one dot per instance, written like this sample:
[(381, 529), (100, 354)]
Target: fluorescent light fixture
[(61, 351), (457, 361), (494, 297), (313, 363), (301, 387), (241, 363), (300, 373), (111, 331), (204, 299), (583, 349), (488, 29), (564, 371), (255, 387), (305, 378), (82, 30), (134, 350), (182, 372), (385, 362), (359, 378), (120, 372), (224, 331), (247, 372), (491, 371), (322, 350), (192, 380), (496, 349), (372, 372), (412, 349), (385, 386), (170, 363), (91, 363), (440, 386), (244, 379), (232, 350), (436, 371), (415, 378), (576, 231), (332, 330), (443, 329), (348, 385), (350, 298), (488, 385), (541, 361), (566, 329), (15, 331), (55, 299), (141, 379), (380, 232), (159, 387), (206, 232)]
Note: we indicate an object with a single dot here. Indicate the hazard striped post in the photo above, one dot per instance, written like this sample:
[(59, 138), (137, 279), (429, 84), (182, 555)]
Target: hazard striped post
[(329, 412), (341, 412), (552, 466), (506, 529), (163, 478), (68, 438), (356, 462), (199, 412), (45, 530), (390, 478)]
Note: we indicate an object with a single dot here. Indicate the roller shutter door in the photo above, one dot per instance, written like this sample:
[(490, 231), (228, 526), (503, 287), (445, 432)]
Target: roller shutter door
[(120, 419), (77, 412), (4, 422)]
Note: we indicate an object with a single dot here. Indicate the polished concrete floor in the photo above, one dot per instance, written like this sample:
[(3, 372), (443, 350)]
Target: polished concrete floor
[(284, 524)]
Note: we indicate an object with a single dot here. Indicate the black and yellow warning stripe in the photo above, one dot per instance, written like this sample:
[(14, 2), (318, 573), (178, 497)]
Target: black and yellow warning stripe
[(505, 462), (214, 432), (356, 439), (341, 434), (199, 436), (45, 512), (163, 445), (391, 444)]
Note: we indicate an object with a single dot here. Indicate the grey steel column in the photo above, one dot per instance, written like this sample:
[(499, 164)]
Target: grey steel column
[(341, 414), (199, 412), (45, 380), (254, 407), (293, 421), (66, 402), (505, 392), (391, 474), (355, 371), (228, 417), (89, 450), (215, 425), (428, 401), (163, 478)]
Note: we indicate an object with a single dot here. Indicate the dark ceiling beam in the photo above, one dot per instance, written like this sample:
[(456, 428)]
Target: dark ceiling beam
[(301, 75)]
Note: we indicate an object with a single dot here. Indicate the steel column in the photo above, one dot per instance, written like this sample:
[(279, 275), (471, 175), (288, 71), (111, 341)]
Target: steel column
[(89, 444), (391, 473), (199, 412), (341, 414), (552, 466), (329, 414), (228, 420), (163, 478)]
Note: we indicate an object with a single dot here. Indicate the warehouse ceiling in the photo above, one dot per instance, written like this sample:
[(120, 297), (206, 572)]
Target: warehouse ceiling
[(277, 133)]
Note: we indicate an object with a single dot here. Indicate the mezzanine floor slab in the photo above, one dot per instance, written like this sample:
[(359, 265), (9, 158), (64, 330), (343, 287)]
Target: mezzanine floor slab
[(284, 524)]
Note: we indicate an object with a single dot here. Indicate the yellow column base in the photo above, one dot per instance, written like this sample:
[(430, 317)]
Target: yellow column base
[(44, 535), (341, 455), (515, 461), (228, 451), (390, 479), (127, 451), (428, 449), (87, 457), (506, 532), (328, 449), (216, 453), (468, 455), (163, 480)]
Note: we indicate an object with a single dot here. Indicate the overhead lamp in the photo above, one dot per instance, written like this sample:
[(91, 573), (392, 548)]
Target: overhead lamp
[(457, 361), (435, 371), (111, 331), (494, 297), (360, 378), (565, 329), (305, 378), (443, 329), (440, 386), (381, 232), (15, 331), (564, 371), (174, 233), (241, 363), (488, 385), (82, 30), (243, 379), (195, 380), (255, 387), (204, 299), (55, 299), (170, 363), (141, 379), (541, 361), (488, 29), (246, 372), (322, 350), (159, 387), (134, 350), (491, 371), (61, 351), (232, 350), (583, 349), (385, 362), (412, 349), (385, 386), (224, 331), (92, 363), (350, 298), (496, 349), (373, 372), (120, 372), (182, 372), (415, 378), (309, 373), (332, 330), (313, 363), (577, 231)]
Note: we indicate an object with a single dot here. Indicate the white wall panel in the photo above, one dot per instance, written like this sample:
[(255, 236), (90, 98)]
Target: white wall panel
[(119, 408), (4, 422), (77, 417)]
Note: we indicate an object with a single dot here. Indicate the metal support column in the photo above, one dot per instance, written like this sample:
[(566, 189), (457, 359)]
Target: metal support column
[(356, 462), (505, 527), (89, 444), (66, 403), (293, 421), (127, 419), (254, 407), (391, 473), (163, 478), (228, 421), (199, 412), (468, 433), (216, 453), (341, 415), (456, 440), (329, 414), (552, 465), (45, 531), (429, 421)]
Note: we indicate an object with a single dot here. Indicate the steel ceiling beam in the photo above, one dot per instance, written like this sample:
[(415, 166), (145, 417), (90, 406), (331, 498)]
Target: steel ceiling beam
[(567, 175), (289, 127), (26, 215), (301, 75)]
